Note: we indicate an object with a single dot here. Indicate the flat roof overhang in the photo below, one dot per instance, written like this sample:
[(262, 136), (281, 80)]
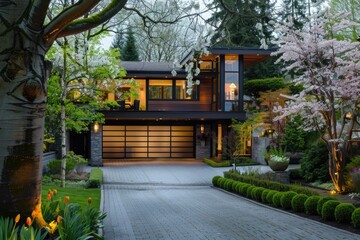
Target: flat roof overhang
[(172, 115)]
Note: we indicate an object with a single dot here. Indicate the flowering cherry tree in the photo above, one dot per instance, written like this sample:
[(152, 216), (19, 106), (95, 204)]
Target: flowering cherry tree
[(329, 70)]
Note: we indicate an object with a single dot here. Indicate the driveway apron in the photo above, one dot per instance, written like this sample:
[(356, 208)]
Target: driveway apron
[(176, 201)]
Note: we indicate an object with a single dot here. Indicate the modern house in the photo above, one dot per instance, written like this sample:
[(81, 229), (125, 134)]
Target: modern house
[(164, 122)]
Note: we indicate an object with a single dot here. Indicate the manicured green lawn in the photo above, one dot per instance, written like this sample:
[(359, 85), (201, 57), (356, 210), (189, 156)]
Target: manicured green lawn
[(76, 195)]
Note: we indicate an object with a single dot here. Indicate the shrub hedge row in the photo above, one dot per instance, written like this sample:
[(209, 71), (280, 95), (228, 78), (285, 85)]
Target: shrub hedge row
[(329, 208), (212, 163), (269, 184)]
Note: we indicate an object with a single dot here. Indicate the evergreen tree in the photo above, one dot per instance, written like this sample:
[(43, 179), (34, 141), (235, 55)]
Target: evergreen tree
[(130, 52), (236, 22), (118, 41)]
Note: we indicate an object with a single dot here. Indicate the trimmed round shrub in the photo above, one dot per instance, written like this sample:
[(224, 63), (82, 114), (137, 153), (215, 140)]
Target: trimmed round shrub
[(328, 210), (311, 205), (276, 200), (215, 180), (321, 202), (243, 189), (253, 192), (249, 190), (298, 202), (286, 198), (264, 194), (270, 196), (229, 185), (220, 181), (343, 212), (355, 218), (233, 186), (258, 193), (238, 186)]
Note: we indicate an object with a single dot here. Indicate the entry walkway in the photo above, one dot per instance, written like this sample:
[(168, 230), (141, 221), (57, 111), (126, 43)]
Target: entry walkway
[(161, 201)]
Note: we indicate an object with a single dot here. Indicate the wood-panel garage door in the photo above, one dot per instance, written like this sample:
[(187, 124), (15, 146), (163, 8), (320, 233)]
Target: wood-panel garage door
[(147, 142)]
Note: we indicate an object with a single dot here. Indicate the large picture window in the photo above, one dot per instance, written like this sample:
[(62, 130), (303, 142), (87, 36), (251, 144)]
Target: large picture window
[(171, 90), (181, 88), (160, 89)]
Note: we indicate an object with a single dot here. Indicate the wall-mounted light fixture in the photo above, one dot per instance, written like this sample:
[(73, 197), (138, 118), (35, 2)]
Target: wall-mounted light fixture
[(348, 115), (96, 127), (202, 128)]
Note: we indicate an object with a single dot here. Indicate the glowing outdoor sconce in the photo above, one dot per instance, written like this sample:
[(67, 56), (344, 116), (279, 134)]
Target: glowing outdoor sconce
[(348, 116), (270, 131), (96, 127), (202, 128)]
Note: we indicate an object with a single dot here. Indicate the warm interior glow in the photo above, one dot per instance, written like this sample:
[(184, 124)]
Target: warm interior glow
[(96, 127), (202, 129), (219, 145)]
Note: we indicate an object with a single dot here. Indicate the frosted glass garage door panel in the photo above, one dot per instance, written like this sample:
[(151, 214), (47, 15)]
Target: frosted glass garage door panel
[(182, 144), (136, 149), (182, 128), (113, 139), (113, 144), (136, 139), (157, 149), (182, 134), (136, 128), (136, 144), (113, 150), (159, 139), (113, 133), (159, 134), (159, 144), (113, 155), (136, 155), (159, 128), (113, 128), (159, 155)]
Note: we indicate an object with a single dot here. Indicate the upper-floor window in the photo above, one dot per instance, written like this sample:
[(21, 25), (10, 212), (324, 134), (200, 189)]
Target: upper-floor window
[(181, 91), (160, 89), (171, 90)]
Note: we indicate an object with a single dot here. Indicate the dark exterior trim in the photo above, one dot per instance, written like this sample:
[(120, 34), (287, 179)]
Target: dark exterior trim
[(222, 82), (241, 83), (172, 115)]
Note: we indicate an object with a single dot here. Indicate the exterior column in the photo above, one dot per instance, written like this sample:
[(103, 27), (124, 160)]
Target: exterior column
[(96, 145), (219, 142)]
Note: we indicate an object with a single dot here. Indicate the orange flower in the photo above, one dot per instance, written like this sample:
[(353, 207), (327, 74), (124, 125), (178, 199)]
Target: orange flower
[(28, 221), (89, 200), (67, 199), (34, 213), (49, 197), (59, 219), (55, 191), (17, 218)]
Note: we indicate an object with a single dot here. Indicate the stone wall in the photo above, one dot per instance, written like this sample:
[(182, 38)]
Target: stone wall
[(96, 147)]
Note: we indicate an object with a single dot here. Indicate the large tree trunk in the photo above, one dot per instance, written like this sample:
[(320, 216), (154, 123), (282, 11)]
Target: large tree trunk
[(23, 74), (338, 158)]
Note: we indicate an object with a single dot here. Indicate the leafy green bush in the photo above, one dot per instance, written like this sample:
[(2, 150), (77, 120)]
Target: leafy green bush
[(238, 187), (228, 184), (257, 192), (234, 185), (286, 198), (212, 163), (276, 200), (220, 182), (253, 180), (270, 195), (328, 210), (255, 86), (243, 189), (343, 212), (95, 178), (311, 205), (294, 136), (315, 163), (298, 202), (54, 167), (355, 218), (354, 163), (321, 202), (264, 195), (77, 160), (249, 191), (215, 180)]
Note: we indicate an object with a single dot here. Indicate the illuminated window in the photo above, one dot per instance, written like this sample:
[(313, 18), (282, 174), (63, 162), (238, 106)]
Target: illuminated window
[(160, 89), (181, 89)]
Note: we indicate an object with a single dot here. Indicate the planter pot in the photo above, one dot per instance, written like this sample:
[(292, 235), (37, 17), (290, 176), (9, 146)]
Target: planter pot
[(278, 166)]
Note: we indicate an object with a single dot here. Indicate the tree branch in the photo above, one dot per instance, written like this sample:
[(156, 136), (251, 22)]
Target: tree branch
[(92, 21), (38, 13), (54, 28)]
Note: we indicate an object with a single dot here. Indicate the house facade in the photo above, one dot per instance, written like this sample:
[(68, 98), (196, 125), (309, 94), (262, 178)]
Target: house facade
[(162, 121)]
